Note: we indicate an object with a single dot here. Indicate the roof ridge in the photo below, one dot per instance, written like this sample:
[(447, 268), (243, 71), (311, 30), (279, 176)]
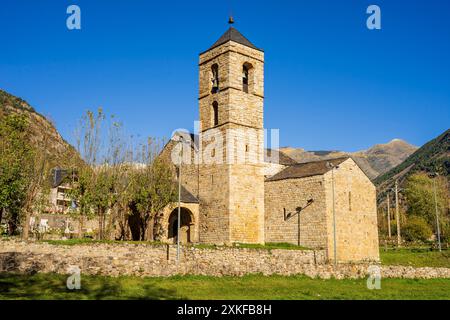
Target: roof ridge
[(306, 169), (323, 160), (233, 34)]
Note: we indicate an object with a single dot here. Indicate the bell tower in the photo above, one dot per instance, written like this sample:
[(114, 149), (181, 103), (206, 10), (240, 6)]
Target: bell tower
[(231, 179)]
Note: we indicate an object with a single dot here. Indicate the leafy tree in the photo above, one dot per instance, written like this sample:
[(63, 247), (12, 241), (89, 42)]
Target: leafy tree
[(16, 164), (103, 194), (420, 198), (37, 185), (152, 189), (417, 229), (119, 181)]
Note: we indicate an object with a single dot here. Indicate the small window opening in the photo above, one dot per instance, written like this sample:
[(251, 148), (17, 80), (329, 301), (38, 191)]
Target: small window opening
[(245, 79), (215, 78), (215, 114), (350, 201)]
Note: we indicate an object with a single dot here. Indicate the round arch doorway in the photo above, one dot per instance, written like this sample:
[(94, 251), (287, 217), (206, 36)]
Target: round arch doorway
[(186, 226)]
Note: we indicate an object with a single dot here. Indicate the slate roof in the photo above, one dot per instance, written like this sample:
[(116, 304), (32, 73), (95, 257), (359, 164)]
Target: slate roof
[(186, 196), (308, 169), (232, 34), (59, 175), (191, 138)]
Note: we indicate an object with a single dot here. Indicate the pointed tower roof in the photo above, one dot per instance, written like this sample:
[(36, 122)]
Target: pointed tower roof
[(233, 34)]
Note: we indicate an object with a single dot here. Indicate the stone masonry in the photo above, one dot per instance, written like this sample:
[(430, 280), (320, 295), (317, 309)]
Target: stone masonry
[(243, 197), (289, 194), (159, 260), (231, 194), (356, 214), (354, 204)]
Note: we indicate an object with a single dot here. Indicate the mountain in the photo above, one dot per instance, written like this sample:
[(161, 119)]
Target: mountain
[(434, 156), (374, 162), (43, 133)]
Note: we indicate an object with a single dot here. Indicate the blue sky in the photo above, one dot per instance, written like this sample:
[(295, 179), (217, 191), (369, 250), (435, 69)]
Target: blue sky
[(330, 83)]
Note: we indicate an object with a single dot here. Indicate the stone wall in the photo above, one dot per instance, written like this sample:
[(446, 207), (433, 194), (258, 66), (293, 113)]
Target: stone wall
[(355, 209), (190, 166), (289, 194), (148, 260), (152, 260), (356, 214), (59, 222)]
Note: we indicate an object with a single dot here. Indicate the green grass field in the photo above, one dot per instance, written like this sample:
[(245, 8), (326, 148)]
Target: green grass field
[(267, 246), (416, 257), (52, 286)]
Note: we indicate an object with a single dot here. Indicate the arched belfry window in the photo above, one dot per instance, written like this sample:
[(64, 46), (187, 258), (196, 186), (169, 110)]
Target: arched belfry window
[(246, 76), (215, 78), (215, 114)]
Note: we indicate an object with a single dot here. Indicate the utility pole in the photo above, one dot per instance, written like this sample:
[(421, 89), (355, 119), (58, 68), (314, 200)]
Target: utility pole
[(397, 215), (333, 167), (179, 200), (437, 213), (389, 215)]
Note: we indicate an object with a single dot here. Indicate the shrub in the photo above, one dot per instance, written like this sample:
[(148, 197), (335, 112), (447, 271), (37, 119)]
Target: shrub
[(3, 229), (445, 232), (417, 229)]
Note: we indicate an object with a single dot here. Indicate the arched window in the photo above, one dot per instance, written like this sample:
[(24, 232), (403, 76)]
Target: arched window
[(215, 114), (245, 78), (215, 78)]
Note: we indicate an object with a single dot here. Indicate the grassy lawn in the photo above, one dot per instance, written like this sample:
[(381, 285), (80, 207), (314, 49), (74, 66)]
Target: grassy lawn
[(52, 286), (267, 246), (415, 257), (87, 241)]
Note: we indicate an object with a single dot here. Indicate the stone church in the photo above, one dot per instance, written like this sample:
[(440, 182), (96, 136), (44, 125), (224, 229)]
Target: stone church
[(235, 191)]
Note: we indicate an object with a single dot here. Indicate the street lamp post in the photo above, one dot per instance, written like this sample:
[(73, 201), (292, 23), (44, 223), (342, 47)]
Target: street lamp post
[(435, 175), (389, 215), (397, 216), (179, 199), (298, 211), (333, 167)]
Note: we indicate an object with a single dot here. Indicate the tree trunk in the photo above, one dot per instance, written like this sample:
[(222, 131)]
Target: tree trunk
[(26, 226), (126, 230), (1, 214), (150, 229), (12, 227), (108, 226), (143, 229), (80, 227), (100, 224)]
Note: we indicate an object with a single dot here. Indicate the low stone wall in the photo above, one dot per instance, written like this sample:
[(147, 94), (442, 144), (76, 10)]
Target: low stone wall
[(160, 260)]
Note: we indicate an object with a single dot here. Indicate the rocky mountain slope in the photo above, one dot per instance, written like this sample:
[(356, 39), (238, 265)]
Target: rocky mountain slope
[(375, 161), (434, 156), (43, 133)]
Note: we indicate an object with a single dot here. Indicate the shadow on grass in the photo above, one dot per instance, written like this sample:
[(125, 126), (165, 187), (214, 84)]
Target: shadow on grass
[(53, 287)]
